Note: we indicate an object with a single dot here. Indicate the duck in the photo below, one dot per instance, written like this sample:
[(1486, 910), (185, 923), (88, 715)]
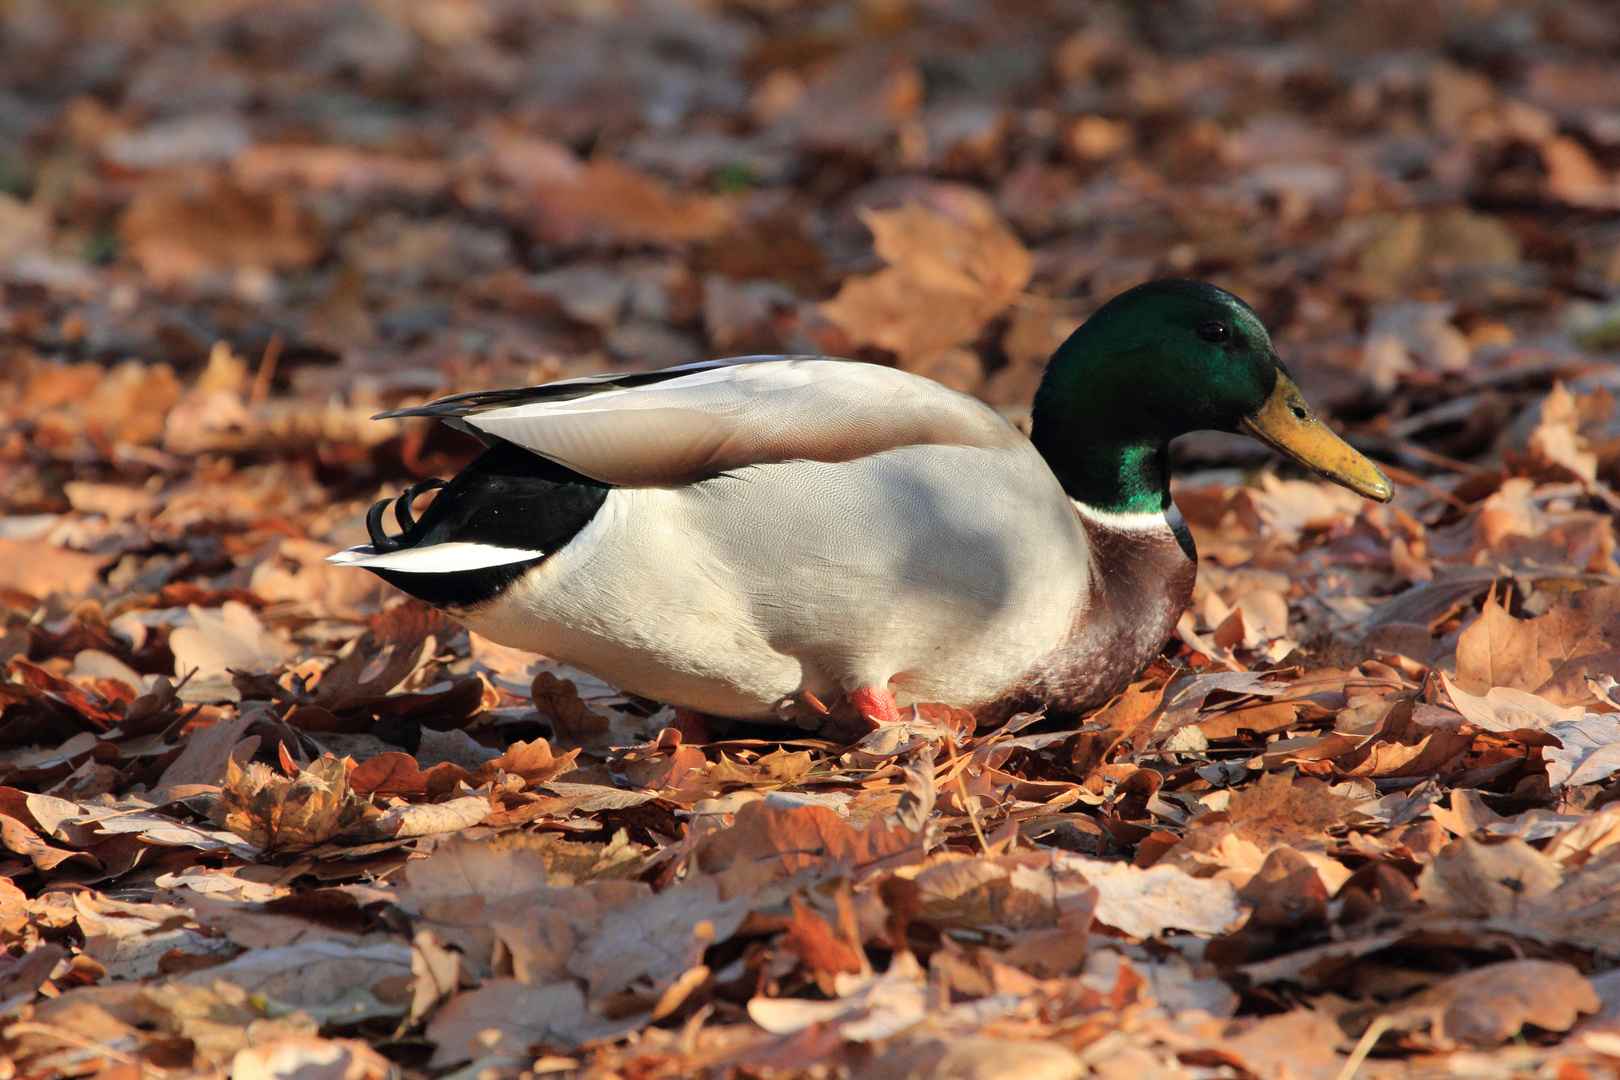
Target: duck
[(780, 537)]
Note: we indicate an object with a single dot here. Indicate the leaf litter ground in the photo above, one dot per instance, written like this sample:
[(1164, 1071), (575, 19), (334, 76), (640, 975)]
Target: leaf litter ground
[(261, 817)]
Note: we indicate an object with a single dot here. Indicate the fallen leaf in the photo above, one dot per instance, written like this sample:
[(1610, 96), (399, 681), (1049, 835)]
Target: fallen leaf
[(767, 844), (510, 1019), (179, 231), (232, 638), (429, 819), (310, 1059), (1282, 809), (1143, 903), (1299, 1043), (1550, 655), (1590, 752), (947, 277), (280, 814), (1491, 1004), (334, 982), (867, 1008), (1506, 709)]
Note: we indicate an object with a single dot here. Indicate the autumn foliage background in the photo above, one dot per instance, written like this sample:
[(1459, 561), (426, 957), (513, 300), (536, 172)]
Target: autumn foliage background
[(262, 816)]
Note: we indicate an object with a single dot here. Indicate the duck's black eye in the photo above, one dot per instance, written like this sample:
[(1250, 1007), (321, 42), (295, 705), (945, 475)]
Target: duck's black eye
[(1215, 332)]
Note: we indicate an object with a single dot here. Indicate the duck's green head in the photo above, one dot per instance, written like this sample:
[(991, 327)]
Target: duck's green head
[(1161, 360)]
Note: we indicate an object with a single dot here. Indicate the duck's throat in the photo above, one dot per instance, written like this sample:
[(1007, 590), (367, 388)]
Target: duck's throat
[(1116, 478)]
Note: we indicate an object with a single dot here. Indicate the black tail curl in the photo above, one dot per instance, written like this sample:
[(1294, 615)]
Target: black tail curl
[(380, 540)]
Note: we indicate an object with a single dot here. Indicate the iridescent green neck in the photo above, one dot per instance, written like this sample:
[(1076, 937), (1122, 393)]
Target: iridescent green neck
[(1106, 447), (1117, 478)]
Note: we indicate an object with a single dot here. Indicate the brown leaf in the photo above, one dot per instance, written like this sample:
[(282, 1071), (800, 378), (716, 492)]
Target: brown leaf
[(767, 844), (572, 724), (280, 814), (219, 1020), (1551, 654), (1281, 809), (570, 201), (429, 818), (1123, 719), (331, 981), (309, 1058), (21, 975), (1517, 886), (177, 231), (1505, 709), (1295, 1044), (509, 1018), (1489, 1005), (917, 802), (979, 1058), (208, 750), (394, 772), (265, 168), (534, 761), (658, 937), (1556, 440), (947, 277), (435, 973), (777, 769), (42, 569), (821, 949)]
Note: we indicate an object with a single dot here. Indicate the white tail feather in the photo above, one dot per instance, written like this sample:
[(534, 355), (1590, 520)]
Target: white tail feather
[(435, 558)]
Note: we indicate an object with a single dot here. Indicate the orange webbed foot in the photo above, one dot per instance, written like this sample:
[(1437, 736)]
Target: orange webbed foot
[(876, 704)]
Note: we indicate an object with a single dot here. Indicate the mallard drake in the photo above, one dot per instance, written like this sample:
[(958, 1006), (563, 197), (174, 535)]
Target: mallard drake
[(749, 538)]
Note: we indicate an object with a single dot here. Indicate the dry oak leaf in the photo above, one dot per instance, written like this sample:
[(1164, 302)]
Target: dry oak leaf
[(220, 1019), (1143, 903), (1297, 1045), (395, 773), (566, 200), (179, 230), (484, 872), (767, 843), (1556, 440), (1523, 891), (354, 172), (130, 940), (928, 1057), (507, 1018), (276, 813), (41, 569), (821, 949), (1281, 809), (1590, 751), (868, 1007), (1487, 880), (1022, 892), (309, 1058), (428, 819), (219, 642), (657, 937), (1505, 709), (1550, 655), (333, 981), (947, 276), (1490, 1005)]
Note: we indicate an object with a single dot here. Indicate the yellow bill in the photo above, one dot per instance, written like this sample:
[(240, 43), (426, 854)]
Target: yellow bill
[(1289, 426)]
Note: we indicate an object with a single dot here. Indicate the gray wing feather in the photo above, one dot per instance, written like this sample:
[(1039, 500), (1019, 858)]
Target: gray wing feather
[(681, 425)]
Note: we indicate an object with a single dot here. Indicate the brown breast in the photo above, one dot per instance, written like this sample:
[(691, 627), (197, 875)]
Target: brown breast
[(1141, 583)]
